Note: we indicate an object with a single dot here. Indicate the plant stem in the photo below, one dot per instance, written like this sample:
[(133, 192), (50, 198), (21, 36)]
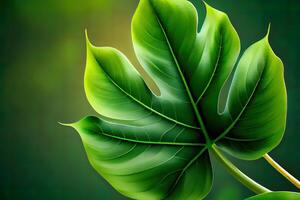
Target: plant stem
[(237, 174), (282, 171)]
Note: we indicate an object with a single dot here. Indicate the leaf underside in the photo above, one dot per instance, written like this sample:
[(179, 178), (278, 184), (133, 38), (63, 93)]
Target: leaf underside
[(155, 147)]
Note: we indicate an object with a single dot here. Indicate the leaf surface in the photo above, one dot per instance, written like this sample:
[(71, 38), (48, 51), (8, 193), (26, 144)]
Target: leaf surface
[(151, 146), (277, 196), (257, 104), (142, 163)]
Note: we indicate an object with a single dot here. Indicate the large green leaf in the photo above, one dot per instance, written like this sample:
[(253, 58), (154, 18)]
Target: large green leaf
[(147, 158), (150, 146), (276, 196)]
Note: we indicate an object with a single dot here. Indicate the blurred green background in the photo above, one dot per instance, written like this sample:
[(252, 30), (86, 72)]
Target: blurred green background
[(41, 82)]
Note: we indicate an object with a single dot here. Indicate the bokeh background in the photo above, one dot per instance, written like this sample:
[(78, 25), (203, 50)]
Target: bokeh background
[(42, 58)]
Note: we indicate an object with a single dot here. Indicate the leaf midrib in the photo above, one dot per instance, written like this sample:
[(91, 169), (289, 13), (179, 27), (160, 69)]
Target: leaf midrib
[(208, 141), (144, 105), (231, 126), (198, 116), (214, 71), (183, 171), (149, 142)]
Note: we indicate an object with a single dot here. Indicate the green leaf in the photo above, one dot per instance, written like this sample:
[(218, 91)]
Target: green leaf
[(276, 196), (257, 104), (150, 146), (143, 162)]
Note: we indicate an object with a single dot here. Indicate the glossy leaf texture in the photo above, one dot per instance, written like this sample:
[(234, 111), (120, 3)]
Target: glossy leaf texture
[(150, 146), (277, 196), (147, 159)]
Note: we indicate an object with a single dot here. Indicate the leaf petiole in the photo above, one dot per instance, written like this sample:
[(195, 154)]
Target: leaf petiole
[(237, 174), (282, 171)]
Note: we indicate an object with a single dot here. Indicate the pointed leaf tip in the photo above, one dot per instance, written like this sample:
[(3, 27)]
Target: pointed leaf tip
[(207, 6), (268, 31), (89, 44), (265, 39), (212, 10), (65, 124)]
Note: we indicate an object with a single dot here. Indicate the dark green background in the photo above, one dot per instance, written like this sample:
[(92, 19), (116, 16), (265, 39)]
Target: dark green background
[(41, 82)]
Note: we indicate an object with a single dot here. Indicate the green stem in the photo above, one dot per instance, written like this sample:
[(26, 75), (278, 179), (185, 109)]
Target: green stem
[(282, 171), (237, 174)]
